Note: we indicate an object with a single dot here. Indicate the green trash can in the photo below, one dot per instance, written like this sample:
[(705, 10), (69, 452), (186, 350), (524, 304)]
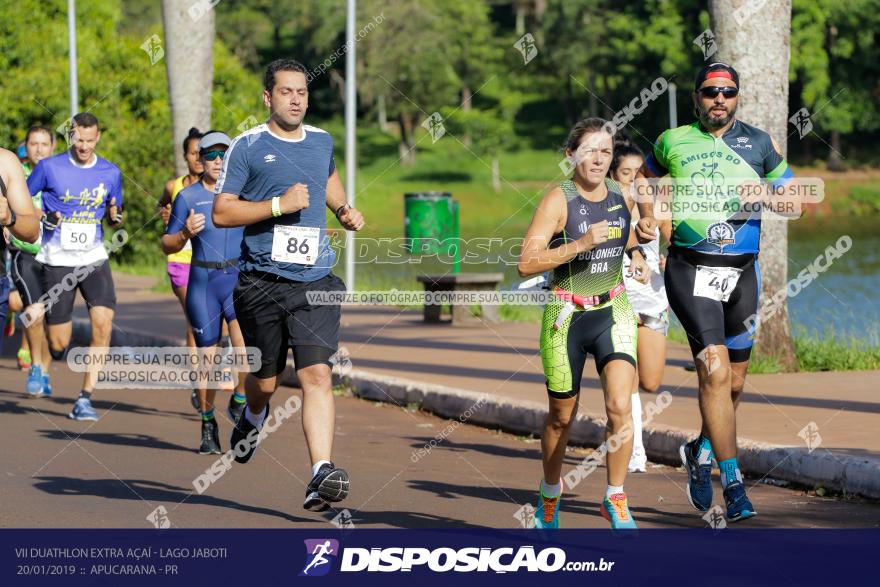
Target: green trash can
[(431, 224)]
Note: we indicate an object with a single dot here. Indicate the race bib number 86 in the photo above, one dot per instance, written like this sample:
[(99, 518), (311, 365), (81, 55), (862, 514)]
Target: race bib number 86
[(295, 244)]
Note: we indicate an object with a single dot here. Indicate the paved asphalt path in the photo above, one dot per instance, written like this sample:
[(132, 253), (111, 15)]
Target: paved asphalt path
[(141, 455)]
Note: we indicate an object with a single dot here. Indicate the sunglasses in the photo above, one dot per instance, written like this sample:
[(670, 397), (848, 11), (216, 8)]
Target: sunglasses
[(211, 155), (712, 92)]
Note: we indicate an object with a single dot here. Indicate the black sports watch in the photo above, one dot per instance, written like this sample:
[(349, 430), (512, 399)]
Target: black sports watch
[(13, 220), (629, 251)]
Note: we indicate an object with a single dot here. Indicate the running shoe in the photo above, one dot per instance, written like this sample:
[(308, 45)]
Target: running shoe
[(194, 400), (615, 509), (638, 462), (47, 387), (210, 438), (699, 487), (83, 410), (547, 514), (314, 502), (241, 445), (738, 505), (34, 381), (235, 409), (24, 359), (328, 485)]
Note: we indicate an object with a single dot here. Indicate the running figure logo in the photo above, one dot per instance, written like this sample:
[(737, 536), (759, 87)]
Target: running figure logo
[(527, 47), (706, 42), (319, 556), (526, 515), (153, 48), (434, 125), (159, 518), (801, 121), (715, 519), (811, 437)]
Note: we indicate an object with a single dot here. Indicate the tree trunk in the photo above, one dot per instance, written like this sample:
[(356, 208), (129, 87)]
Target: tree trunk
[(540, 10), (189, 63), (520, 8), (466, 96), (406, 147), (496, 174), (337, 82), (593, 101), (608, 99), (759, 48), (835, 158), (568, 103), (382, 113)]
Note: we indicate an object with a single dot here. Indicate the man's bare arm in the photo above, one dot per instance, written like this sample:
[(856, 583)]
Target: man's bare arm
[(230, 211), (18, 200), (349, 218)]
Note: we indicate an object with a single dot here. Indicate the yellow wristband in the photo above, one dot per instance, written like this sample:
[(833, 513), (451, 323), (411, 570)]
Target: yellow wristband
[(276, 206)]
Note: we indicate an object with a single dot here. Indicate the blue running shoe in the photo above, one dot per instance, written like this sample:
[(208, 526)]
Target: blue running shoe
[(83, 410), (738, 505), (699, 488), (34, 380), (47, 386), (547, 514), (616, 510)]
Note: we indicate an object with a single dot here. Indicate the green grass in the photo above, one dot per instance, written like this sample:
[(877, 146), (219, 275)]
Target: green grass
[(764, 364), (865, 199), (836, 353), (860, 200), (449, 166)]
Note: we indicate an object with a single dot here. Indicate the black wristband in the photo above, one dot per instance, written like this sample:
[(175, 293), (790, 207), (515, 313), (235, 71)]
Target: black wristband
[(629, 251), (339, 209)]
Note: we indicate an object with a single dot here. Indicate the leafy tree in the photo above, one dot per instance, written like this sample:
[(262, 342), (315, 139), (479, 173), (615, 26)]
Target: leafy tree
[(836, 65), (408, 60), (121, 87)]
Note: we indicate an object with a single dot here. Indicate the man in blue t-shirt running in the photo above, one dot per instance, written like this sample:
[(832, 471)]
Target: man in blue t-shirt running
[(276, 179), (79, 190)]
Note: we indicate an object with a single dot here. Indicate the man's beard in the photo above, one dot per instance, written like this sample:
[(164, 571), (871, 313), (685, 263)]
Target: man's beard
[(716, 122)]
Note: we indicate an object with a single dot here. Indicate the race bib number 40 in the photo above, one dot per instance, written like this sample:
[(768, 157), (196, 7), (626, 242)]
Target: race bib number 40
[(716, 283), (295, 244), (78, 237)]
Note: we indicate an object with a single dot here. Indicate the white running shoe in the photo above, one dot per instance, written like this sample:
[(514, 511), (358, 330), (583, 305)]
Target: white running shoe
[(638, 462)]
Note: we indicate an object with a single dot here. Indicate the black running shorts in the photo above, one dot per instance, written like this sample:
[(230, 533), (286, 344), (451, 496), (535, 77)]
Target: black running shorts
[(27, 276), (707, 321), (94, 282), (274, 316)]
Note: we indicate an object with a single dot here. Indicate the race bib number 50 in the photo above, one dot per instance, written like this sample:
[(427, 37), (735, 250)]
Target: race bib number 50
[(77, 237), (295, 244), (716, 283)]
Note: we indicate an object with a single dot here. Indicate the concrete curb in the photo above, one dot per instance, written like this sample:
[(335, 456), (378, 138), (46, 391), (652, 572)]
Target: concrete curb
[(854, 475)]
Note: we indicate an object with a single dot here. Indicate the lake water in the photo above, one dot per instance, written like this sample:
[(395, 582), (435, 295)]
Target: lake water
[(845, 298)]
